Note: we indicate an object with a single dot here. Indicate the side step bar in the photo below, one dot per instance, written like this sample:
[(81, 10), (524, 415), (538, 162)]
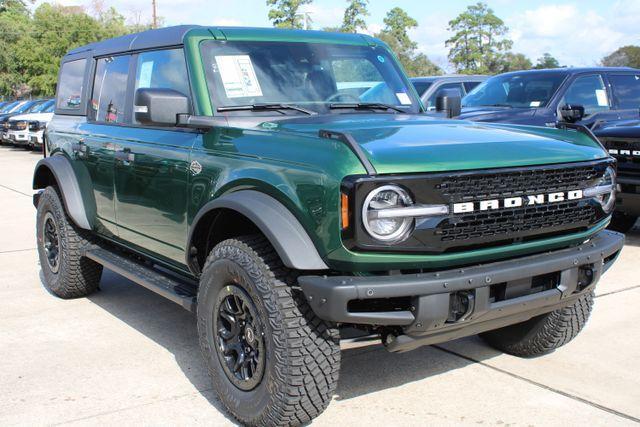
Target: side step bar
[(156, 281)]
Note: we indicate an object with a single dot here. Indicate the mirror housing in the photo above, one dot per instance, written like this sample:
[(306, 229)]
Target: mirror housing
[(159, 107), (571, 113), (449, 102)]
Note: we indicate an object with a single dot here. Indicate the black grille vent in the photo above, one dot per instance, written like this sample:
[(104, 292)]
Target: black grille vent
[(627, 162), (518, 183), (523, 222)]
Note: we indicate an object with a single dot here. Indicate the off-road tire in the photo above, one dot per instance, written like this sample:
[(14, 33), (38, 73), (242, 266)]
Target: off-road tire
[(302, 351), (544, 333), (76, 276), (622, 223)]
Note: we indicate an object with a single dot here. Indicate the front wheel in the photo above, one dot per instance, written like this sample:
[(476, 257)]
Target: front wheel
[(544, 333), (272, 361)]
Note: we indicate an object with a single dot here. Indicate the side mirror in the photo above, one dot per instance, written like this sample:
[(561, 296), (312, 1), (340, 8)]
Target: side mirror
[(571, 113), (450, 102), (159, 107)]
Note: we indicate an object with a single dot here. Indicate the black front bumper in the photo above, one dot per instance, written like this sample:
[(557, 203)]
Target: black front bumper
[(427, 320)]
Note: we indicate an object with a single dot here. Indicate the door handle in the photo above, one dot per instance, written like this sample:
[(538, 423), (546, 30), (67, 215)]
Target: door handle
[(126, 156)]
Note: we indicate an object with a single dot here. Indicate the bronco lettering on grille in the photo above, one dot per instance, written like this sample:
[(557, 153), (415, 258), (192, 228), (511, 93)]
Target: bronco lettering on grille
[(516, 202)]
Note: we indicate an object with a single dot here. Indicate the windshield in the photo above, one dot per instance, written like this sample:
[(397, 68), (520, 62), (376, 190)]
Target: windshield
[(309, 75), (41, 107), (24, 107), (8, 107), (530, 90)]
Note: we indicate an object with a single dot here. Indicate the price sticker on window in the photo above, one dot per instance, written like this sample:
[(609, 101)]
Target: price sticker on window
[(238, 76)]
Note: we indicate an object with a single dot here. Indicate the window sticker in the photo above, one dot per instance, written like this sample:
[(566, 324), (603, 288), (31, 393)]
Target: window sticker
[(146, 68), (601, 96), (534, 104), (403, 98), (238, 76)]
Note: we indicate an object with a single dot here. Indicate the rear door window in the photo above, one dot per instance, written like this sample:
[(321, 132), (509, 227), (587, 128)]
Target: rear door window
[(70, 85), (588, 91), (626, 90), (110, 89)]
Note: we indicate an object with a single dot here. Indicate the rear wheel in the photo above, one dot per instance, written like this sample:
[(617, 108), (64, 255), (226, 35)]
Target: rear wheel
[(272, 361), (622, 223), (66, 272), (545, 333)]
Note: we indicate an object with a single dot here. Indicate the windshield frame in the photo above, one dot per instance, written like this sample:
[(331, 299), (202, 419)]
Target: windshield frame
[(564, 76), (207, 51)]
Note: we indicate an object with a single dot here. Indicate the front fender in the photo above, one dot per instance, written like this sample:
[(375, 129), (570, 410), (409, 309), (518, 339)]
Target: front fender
[(275, 221)]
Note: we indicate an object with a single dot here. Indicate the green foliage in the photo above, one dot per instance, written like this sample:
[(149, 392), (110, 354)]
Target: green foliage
[(395, 34), (285, 13), (354, 16), (479, 42), (547, 61), (514, 62), (32, 45), (626, 56)]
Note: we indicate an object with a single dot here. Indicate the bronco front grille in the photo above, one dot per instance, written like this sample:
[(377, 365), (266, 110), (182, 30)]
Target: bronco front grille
[(626, 151), (484, 228), (517, 222)]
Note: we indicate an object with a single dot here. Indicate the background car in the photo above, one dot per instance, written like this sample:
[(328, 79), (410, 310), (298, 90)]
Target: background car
[(21, 107), (38, 124), (18, 131), (429, 88), (534, 97), (622, 140)]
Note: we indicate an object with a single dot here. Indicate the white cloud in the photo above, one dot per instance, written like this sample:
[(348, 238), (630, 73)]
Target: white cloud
[(574, 34)]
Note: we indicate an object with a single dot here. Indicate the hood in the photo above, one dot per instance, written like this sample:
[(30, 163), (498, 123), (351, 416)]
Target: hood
[(41, 117), (495, 114), (398, 143), (620, 129)]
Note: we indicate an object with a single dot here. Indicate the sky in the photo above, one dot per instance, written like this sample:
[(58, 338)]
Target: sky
[(578, 33)]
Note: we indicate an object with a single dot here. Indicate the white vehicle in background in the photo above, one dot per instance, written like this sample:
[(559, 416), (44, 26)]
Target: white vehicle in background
[(27, 129)]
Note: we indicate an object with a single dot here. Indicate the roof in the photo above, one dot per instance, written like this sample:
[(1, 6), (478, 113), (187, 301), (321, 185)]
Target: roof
[(173, 36), (573, 70)]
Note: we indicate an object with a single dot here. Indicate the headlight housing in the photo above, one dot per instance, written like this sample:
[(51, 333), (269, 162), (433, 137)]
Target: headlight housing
[(388, 230), (604, 191), (22, 125)]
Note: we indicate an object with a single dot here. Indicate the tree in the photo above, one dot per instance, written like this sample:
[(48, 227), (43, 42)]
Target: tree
[(479, 40), (354, 16), (14, 28), (395, 34), (626, 56), (547, 61), (285, 14), (514, 62)]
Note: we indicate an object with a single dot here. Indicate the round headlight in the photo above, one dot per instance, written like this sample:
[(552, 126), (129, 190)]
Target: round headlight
[(604, 192), (386, 229)]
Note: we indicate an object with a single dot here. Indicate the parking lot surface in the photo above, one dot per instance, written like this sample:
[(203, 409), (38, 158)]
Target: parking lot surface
[(126, 356)]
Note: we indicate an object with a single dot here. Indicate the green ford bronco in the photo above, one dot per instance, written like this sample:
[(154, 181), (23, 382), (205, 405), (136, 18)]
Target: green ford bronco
[(286, 185)]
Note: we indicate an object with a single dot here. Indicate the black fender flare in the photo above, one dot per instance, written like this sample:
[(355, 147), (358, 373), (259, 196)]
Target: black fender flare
[(275, 221), (68, 184)]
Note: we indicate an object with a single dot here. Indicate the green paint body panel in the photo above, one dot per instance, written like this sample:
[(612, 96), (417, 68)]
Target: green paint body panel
[(150, 206)]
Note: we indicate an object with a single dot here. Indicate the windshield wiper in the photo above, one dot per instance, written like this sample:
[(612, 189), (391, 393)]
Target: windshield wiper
[(265, 107), (366, 106), (498, 105)]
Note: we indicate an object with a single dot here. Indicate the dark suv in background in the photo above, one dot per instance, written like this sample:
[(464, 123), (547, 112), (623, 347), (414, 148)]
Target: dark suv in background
[(429, 88), (622, 140), (535, 97)]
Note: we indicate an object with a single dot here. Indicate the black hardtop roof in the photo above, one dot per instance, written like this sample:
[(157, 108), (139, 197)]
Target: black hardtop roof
[(169, 36), (174, 36)]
